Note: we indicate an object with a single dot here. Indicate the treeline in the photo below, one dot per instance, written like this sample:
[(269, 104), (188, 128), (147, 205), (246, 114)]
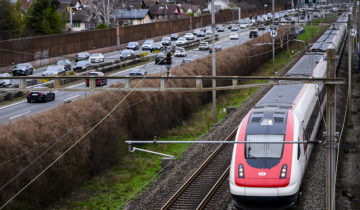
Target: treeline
[(41, 18)]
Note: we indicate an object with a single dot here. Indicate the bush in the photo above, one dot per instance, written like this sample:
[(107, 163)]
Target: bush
[(101, 26), (143, 54)]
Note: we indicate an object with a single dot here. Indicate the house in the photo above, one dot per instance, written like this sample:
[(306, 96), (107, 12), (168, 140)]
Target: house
[(190, 9), (82, 20), (132, 16), (164, 11), (130, 4)]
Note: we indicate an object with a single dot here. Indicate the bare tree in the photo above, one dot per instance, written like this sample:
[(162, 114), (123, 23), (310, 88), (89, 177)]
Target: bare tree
[(103, 9)]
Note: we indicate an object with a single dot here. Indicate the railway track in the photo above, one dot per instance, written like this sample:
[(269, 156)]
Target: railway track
[(198, 190)]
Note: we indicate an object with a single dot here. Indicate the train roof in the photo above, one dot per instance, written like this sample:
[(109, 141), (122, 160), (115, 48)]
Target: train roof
[(305, 66), (324, 41)]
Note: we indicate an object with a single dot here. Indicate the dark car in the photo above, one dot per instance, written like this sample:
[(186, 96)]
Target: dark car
[(186, 60), (82, 56), (133, 46), (42, 96), (160, 58), (253, 34), (126, 54), (302, 17), (82, 66), (66, 63), (157, 46), (200, 34), (166, 41), (22, 69), (174, 37), (98, 82)]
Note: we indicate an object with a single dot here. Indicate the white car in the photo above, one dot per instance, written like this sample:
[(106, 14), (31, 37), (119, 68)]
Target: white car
[(180, 52), (208, 32), (181, 41), (5, 82), (137, 72), (189, 36), (244, 25), (234, 36), (53, 70), (96, 58)]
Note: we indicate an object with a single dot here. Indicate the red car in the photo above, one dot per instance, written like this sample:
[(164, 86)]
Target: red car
[(98, 82)]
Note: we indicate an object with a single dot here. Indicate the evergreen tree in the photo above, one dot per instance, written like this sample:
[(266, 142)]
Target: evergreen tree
[(42, 18), (9, 26)]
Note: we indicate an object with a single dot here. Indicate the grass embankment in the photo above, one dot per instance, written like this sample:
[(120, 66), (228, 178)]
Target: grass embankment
[(134, 170)]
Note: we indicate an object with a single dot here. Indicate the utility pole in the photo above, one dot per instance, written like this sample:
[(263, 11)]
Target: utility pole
[(330, 130), (349, 122), (357, 25), (213, 59), (273, 40), (239, 14)]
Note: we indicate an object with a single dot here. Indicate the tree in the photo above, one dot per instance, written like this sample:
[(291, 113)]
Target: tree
[(10, 23), (103, 10), (101, 26), (42, 18)]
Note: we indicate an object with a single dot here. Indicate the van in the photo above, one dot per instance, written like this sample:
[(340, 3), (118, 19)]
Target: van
[(98, 82)]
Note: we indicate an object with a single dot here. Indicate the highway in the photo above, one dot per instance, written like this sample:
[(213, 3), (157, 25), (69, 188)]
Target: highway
[(20, 109)]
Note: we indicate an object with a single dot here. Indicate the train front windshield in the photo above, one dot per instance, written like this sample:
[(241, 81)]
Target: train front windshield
[(264, 150)]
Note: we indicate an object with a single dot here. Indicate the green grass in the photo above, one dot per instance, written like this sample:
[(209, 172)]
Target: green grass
[(117, 185)]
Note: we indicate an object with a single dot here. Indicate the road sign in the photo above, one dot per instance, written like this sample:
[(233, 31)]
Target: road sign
[(353, 32), (273, 33)]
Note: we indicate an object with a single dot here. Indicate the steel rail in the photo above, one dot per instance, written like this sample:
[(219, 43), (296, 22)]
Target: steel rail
[(197, 172)]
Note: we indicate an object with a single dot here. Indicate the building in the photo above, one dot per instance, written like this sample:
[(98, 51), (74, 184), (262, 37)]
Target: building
[(164, 11), (132, 16)]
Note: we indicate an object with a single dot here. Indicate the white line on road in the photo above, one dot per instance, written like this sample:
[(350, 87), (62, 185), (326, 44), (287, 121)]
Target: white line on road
[(19, 115), (13, 104), (71, 97)]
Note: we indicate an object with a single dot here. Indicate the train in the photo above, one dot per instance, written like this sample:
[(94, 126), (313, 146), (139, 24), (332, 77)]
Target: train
[(269, 173)]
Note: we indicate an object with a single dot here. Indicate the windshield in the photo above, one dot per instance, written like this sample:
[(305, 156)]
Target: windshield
[(81, 63), (166, 39), (258, 150), (95, 54), (21, 65), (182, 39), (52, 68)]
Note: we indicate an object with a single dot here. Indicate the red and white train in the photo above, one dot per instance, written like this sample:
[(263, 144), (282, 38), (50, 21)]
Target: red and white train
[(272, 173)]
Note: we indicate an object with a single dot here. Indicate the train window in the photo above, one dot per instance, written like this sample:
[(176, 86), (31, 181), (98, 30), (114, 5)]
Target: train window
[(264, 150), (299, 152)]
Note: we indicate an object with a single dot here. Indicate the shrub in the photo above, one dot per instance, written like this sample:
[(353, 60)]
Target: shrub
[(101, 26)]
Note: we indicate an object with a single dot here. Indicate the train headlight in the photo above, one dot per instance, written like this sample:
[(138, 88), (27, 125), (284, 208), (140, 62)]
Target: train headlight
[(283, 171), (241, 173)]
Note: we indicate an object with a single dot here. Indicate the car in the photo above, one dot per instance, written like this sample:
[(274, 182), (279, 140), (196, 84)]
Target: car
[(22, 69), (253, 34), (147, 44), (196, 31), (166, 41), (200, 34), (66, 63), (234, 36), (189, 36), (208, 32), (157, 46), (234, 28), (82, 66), (82, 56), (261, 27), (53, 70), (186, 60), (126, 54), (181, 41), (217, 48), (244, 25), (180, 52), (41, 96), (160, 58), (96, 58), (98, 82), (5, 82), (204, 46), (302, 17), (137, 72), (220, 28), (133, 46), (174, 37)]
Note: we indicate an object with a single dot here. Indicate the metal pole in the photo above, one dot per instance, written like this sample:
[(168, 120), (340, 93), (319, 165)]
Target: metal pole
[(239, 14), (213, 59), (287, 44), (357, 25), (330, 130), (71, 17), (349, 122), (273, 40)]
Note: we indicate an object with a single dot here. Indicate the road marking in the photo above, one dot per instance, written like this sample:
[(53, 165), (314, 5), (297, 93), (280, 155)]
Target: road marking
[(19, 115), (71, 97), (13, 104), (75, 85)]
